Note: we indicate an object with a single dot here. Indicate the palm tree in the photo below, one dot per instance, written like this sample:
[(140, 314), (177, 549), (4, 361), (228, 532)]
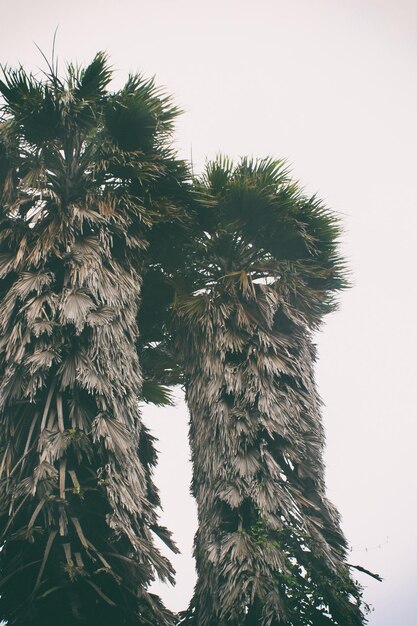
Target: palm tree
[(255, 282), (83, 174)]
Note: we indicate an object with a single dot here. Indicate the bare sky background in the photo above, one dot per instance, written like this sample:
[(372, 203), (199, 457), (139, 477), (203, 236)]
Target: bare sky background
[(331, 86)]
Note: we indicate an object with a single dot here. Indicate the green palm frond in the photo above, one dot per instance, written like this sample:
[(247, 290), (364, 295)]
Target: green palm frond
[(138, 114), (92, 81), (30, 104), (155, 393)]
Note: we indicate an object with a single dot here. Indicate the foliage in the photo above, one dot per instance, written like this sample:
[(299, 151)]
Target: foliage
[(102, 235)]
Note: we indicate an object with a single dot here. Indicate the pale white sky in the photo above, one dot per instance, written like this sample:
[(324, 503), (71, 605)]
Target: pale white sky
[(331, 86)]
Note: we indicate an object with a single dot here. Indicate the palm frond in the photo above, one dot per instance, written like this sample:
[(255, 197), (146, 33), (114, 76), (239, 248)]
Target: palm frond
[(92, 80)]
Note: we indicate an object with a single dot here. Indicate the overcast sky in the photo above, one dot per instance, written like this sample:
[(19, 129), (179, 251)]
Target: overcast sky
[(331, 86)]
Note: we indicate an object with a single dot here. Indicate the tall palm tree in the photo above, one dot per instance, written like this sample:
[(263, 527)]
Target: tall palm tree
[(79, 172), (255, 283)]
